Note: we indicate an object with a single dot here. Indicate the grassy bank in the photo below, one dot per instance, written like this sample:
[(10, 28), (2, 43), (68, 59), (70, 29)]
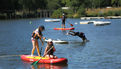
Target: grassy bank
[(82, 12), (104, 12)]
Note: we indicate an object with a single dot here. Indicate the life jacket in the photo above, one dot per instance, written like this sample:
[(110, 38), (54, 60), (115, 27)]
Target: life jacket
[(34, 35), (63, 18)]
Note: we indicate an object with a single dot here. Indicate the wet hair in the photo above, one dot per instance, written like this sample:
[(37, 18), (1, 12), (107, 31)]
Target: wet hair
[(42, 27)]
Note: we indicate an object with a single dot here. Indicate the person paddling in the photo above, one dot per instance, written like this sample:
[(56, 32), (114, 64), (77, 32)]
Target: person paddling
[(79, 34), (49, 54), (63, 20), (37, 34)]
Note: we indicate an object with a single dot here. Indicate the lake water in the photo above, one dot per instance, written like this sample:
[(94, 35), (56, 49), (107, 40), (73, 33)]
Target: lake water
[(102, 52)]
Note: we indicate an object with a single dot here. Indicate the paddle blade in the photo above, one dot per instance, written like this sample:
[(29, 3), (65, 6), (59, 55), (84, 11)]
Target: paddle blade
[(72, 25), (34, 63)]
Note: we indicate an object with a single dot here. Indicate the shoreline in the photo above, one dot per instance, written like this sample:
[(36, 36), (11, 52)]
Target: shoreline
[(107, 17), (81, 18)]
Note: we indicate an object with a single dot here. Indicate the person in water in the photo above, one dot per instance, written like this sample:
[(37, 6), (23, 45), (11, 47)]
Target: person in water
[(79, 34), (49, 50), (63, 20), (37, 34)]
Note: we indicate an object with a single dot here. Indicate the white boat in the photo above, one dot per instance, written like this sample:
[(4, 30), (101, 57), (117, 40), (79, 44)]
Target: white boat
[(52, 20), (86, 22), (89, 18), (58, 41), (101, 23)]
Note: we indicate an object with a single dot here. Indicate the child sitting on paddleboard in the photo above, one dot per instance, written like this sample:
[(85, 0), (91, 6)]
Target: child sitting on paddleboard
[(49, 50), (79, 34)]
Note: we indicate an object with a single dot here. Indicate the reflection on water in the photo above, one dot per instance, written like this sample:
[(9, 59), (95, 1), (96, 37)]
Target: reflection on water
[(64, 32), (49, 66), (44, 66), (78, 43)]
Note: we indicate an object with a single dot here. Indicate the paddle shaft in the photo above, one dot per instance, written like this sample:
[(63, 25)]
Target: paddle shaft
[(41, 57), (42, 44), (41, 50), (70, 23)]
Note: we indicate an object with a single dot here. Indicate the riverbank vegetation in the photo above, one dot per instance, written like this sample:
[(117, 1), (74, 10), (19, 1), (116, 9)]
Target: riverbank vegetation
[(77, 8)]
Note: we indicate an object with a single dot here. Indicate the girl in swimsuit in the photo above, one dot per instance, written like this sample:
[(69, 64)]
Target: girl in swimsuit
[(37, 34)]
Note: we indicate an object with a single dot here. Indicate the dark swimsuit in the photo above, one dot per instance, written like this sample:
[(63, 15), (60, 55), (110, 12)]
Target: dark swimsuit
[(81, 35), (34, 36), (63, 19), (51, 51)]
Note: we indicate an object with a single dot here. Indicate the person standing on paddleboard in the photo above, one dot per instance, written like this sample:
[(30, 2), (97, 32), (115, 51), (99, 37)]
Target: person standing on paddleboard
[(37, 34), (63, 20), (79, 34)]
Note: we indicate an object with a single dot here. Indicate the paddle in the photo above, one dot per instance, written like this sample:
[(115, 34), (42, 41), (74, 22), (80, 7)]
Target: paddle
[(41, 50), (42, 45), (70, 24), (34, 63)]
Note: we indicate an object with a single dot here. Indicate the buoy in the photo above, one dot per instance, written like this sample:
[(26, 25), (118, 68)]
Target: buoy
[(76, 23), (30, 22)]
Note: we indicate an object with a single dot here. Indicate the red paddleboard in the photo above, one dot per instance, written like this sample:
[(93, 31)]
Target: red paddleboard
[(63, 28), (30, 58)]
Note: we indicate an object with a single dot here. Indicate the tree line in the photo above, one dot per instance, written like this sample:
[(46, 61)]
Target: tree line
[(77, 7), (55, 4)]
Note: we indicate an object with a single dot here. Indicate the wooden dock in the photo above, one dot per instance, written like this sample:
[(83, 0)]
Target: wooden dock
[(88, 18), (108, 17)]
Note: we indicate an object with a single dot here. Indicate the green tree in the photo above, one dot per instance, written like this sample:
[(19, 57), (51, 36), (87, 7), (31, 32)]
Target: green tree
[(119, 2), (57, 13), (115, 3), (26, 4), (9, 4), (81, 12), (53, 4), (33, 4)]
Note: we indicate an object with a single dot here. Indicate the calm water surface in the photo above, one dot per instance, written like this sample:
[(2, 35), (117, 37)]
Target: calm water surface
[(102, 52)]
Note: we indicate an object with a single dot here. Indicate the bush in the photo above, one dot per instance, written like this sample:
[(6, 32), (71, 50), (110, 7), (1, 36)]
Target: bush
[(69, 13), (57, 13), (110, 13), (81, 12), (101, 15), (92, 15), (114, 13), (118, 13)]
